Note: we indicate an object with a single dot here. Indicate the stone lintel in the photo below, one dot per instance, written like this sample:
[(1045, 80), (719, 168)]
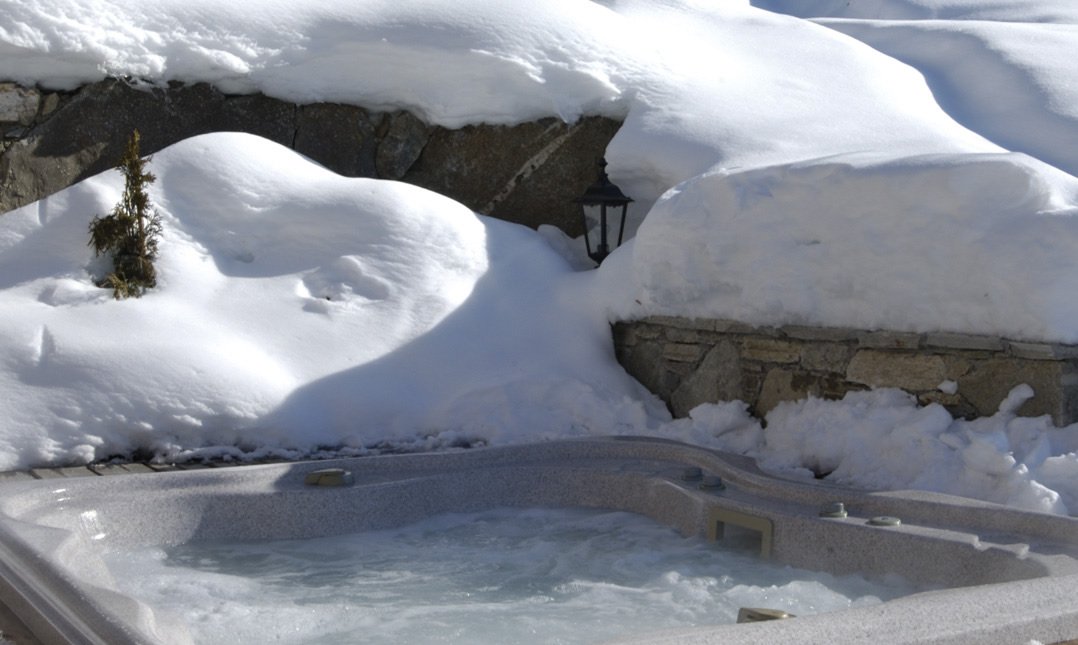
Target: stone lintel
[(680, 323), (735, 327), (692, 336), (828, 334), (682, 352), (948, 340), (1041, 351), (890, 340)]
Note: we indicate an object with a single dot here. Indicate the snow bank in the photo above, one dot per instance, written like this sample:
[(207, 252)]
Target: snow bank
[(1013, 83), (454, 63), (883, 440), (729, 86), (1059, 11), (295, 309), (975, 243), (699, 85)]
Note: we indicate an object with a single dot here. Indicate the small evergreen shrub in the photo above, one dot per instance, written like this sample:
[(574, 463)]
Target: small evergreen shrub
[(129, 233)]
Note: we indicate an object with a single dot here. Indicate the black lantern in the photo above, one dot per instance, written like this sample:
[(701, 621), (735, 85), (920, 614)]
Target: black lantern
[(597, 199)]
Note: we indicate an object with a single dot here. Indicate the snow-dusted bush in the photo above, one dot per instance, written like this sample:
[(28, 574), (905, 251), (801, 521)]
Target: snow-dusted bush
[(130, 231)]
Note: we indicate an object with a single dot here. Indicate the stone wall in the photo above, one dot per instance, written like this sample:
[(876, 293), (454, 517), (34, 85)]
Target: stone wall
[(688, 362), (529, 173)]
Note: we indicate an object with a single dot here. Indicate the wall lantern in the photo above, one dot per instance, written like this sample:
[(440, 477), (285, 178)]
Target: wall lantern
[(595, 202)]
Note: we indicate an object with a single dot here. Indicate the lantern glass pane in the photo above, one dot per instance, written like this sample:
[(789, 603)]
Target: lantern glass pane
[(591, 217)]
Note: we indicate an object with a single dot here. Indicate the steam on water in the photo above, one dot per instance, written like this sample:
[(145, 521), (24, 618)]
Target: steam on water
[(500, 576)]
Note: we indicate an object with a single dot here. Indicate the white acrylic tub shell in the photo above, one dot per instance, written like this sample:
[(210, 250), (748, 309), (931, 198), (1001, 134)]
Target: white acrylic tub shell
[(1010, 576)]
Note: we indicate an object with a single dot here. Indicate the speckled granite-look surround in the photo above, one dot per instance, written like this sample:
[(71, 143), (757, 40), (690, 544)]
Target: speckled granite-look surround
[(1026, 563)]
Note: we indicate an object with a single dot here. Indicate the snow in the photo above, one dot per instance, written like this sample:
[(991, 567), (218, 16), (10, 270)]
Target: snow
[(296, 309), (897, 164), (1005, 81), (932, 242), (493, 61)]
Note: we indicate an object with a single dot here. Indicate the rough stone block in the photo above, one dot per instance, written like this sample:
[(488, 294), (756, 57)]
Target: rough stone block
[(784, 385), (679, 371), (955, 404), (769, 350), (631, 333), (18, 104), (622, 337), (891, 369), (718, 378), (1069, 392), (825, 357), (958, 365), (646, 331), (890, 340), (989, 382), (402, 137), (528, 173), (751, 384), (682, 352), (833, 386), (49, 103), (340, 137), (770, 369), (87, 133), (670, 381), (645, 363)]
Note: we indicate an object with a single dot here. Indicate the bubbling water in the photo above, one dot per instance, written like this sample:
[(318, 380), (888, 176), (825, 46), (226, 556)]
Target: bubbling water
[(499, 576)]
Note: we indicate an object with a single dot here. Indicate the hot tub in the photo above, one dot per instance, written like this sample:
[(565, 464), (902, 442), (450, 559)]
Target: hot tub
[(999, 575)]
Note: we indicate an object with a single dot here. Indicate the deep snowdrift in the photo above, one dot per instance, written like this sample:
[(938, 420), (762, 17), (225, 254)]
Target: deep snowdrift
[(1032, 11), (699, 83), (295, 309), (1012, 83), (941, 242)]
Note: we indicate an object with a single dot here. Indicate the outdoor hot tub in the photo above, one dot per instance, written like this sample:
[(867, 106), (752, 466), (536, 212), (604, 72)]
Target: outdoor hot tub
[(992, 574)]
